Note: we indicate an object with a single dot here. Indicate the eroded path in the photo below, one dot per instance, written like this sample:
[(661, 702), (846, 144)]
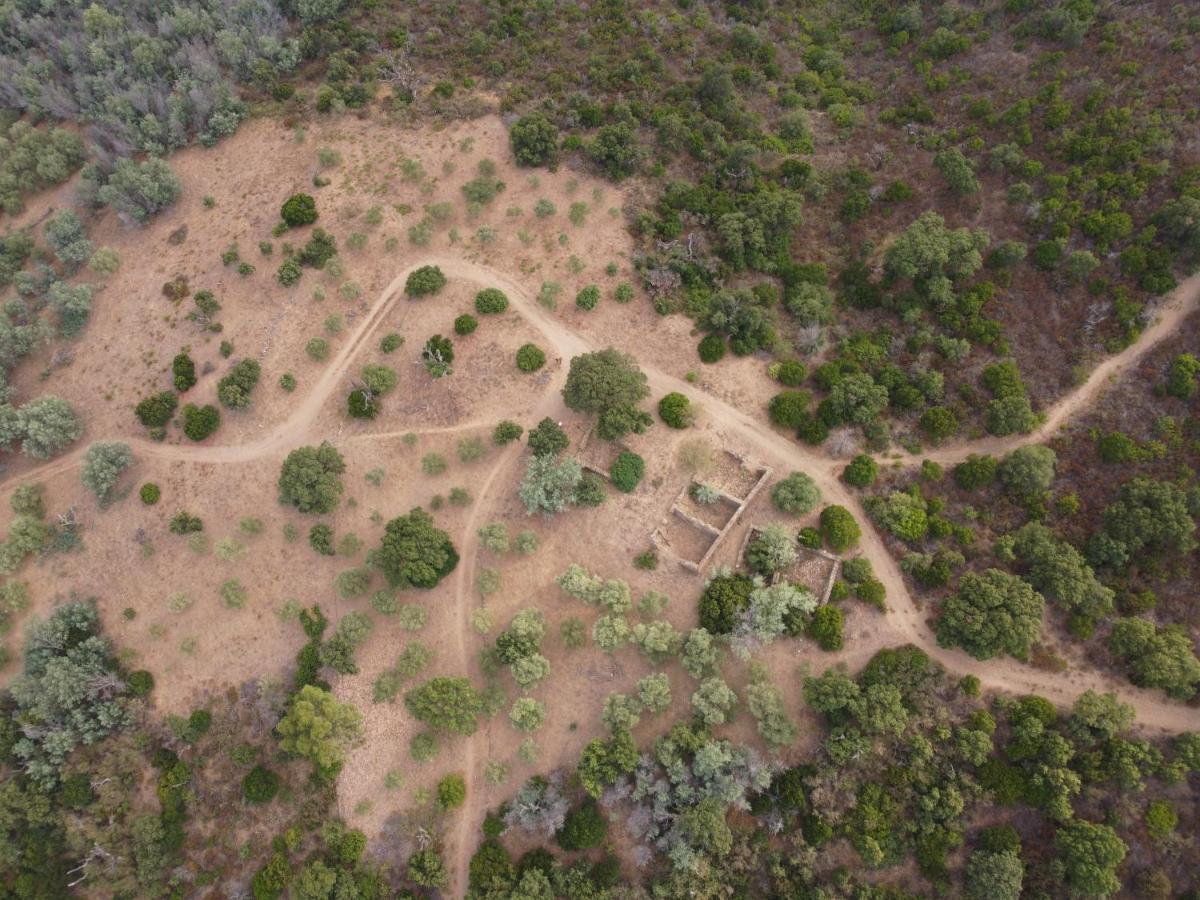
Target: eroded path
[(904, 622)]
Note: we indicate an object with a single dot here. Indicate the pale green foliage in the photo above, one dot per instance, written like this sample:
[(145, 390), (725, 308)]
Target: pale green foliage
[(46, 426), (658, 640), (654, 692), (700, 654), (102, 466), (713, 700), (611, 632), (766, 705), (766, 617), (527, 714), (529, 670), (621, 712), (549, 484)]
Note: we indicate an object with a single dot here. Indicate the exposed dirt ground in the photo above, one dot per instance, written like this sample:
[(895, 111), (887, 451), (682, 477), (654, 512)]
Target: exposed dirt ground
[(135, 331)]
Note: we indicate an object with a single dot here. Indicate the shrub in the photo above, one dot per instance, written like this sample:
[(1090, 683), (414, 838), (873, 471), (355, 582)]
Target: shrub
[(414, 552), (796, 494), (585, 827), (861, 471), (838, 528), (102, 466), (424, 281), (506, 432), (437, 355), (825, 627), (235, 388), (289, 272), (391, 342), (156, 410), (530, 358), (465, 324), (548, 438), (140, 683), (260, 785), (627, 471), (724, 598), (298, 210), (320, 538), (623, 292), (588, 297), (534, 140), (789, 409), (318, 250), (362, 405), (150, 493), (790, 373), (974, 472), (676, 410), (183, 371), (139, 191), (589, 492), (309, 479), (491, 302), (711, 348)]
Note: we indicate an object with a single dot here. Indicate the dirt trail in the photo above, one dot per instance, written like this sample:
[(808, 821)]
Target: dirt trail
[(1178, 305), (904, 621)]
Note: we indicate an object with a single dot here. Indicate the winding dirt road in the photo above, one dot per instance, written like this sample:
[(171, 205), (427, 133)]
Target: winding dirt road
[(904, 620)]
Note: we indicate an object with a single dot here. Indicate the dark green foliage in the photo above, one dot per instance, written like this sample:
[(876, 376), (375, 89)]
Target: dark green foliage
[(150, 493), (491, 302), (446, 704), (711, 348), (825, 627), (298, 210), (156, 410), (235, 388), (424, 281), (614, 149), (530, 358), (974, 472), (1157, 657), (676, 410), (791, 373), (200, 421), (590, 491), (260, 785), (839, 529), (1181, 378), (361, 404), (320, 538), (788, 409), (547, 438), (724, 598), (992, 614), (506, 432), (534, 140), (1148, 517), (414, 552), (627, 471), (491, 868), (185, 523), (585, 827), (609, 383), (465, 324), (140, 683), (861, 471), (318, 249), (308, 479), (938, 423)]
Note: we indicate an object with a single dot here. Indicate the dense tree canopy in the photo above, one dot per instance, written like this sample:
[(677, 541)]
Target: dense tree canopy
[(309, 479), (414, 552), (991, 614)]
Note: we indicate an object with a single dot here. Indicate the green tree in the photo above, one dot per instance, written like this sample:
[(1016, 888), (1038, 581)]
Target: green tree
[(991, 614), (1157, 657), (958, 171), (609, 383), (548, 438), (102, 466), (446, 704), (309, 479), (861, 471), (298, 210), (994, 876), (1090, 854), (927, 252), (534, 140), (585, 827), (796, 494), (414, 552), (1148, 516), (319, 727), (140, 190), (47, 426), (1028, 471), (839, 529), (549, 484)]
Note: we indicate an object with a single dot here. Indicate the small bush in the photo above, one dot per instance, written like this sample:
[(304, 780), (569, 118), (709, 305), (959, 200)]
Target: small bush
[(712, 348), (317, 349), (796, 494), (861, 471), (465, 324), (506, 432), (156, 410), (183, 371), (825, 628), (530, 358), (150, 493), (391, 342), (627, 471), (260, 785), (234, 389), (298, 210), (424, 281), (491, 302), (140, 683), (200, 421), (588, 297), (676, 410), (320, 538), (839, 529)]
